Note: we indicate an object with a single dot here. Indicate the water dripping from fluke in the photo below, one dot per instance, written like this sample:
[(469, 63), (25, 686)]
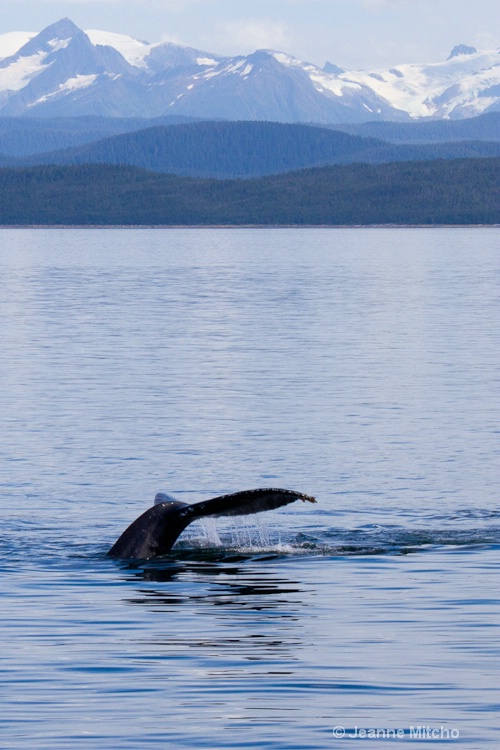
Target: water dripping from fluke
[(155, 532)]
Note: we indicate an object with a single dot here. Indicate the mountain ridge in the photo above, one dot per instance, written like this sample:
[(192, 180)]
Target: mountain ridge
[(64, 71)]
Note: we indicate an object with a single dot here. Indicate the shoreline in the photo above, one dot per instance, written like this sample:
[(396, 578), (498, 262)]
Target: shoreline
[(249, 226)]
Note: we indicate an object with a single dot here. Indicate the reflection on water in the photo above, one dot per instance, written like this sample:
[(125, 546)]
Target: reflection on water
[(360, 366)]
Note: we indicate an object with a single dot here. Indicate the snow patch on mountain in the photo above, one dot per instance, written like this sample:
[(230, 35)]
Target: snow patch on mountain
[(58, 44), (72, 84), (206, 61), (12, 41), (133, 50), (333, 84), (20, 72)]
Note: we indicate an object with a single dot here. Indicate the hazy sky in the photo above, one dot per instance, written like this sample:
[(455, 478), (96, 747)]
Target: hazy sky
[(350, 33)]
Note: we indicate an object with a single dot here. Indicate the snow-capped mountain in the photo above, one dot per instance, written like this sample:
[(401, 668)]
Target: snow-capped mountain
[(66, 71), (465, 85)]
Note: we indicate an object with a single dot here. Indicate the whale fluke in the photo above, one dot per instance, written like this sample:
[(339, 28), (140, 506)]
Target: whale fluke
[(156, 530)]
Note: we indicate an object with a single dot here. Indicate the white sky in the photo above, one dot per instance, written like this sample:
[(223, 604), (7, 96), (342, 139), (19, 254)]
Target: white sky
[(350, 33)]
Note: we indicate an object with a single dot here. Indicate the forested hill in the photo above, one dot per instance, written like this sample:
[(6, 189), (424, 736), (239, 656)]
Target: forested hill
[(25, 136), (462, 191), (248, 149)]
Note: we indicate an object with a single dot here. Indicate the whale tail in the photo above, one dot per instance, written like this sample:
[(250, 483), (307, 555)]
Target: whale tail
[(156, 530)]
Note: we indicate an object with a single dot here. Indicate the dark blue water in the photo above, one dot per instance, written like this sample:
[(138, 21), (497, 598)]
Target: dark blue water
[(360, 366)]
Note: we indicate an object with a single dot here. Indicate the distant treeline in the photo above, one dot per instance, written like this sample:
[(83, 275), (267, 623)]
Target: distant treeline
[(247, 149), (22, 137), (482, 128), (461, 191)]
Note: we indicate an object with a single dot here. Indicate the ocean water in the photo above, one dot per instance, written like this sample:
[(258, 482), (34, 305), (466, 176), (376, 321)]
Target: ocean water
[(357, 365)]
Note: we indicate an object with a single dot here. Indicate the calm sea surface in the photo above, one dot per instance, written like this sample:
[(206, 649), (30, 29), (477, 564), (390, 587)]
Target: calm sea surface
[(357, 365)]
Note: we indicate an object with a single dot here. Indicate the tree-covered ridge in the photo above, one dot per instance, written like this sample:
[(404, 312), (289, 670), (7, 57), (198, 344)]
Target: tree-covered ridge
[(462, 191), (249, 149), (22, 137)]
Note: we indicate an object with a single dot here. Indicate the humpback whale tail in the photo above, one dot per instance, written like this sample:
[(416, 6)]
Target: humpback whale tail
[(156, 530)]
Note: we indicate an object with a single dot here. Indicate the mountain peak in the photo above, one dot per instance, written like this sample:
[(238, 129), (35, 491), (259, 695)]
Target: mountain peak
[(462, 49), (63, 29), (332, 69), (63, 23)]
